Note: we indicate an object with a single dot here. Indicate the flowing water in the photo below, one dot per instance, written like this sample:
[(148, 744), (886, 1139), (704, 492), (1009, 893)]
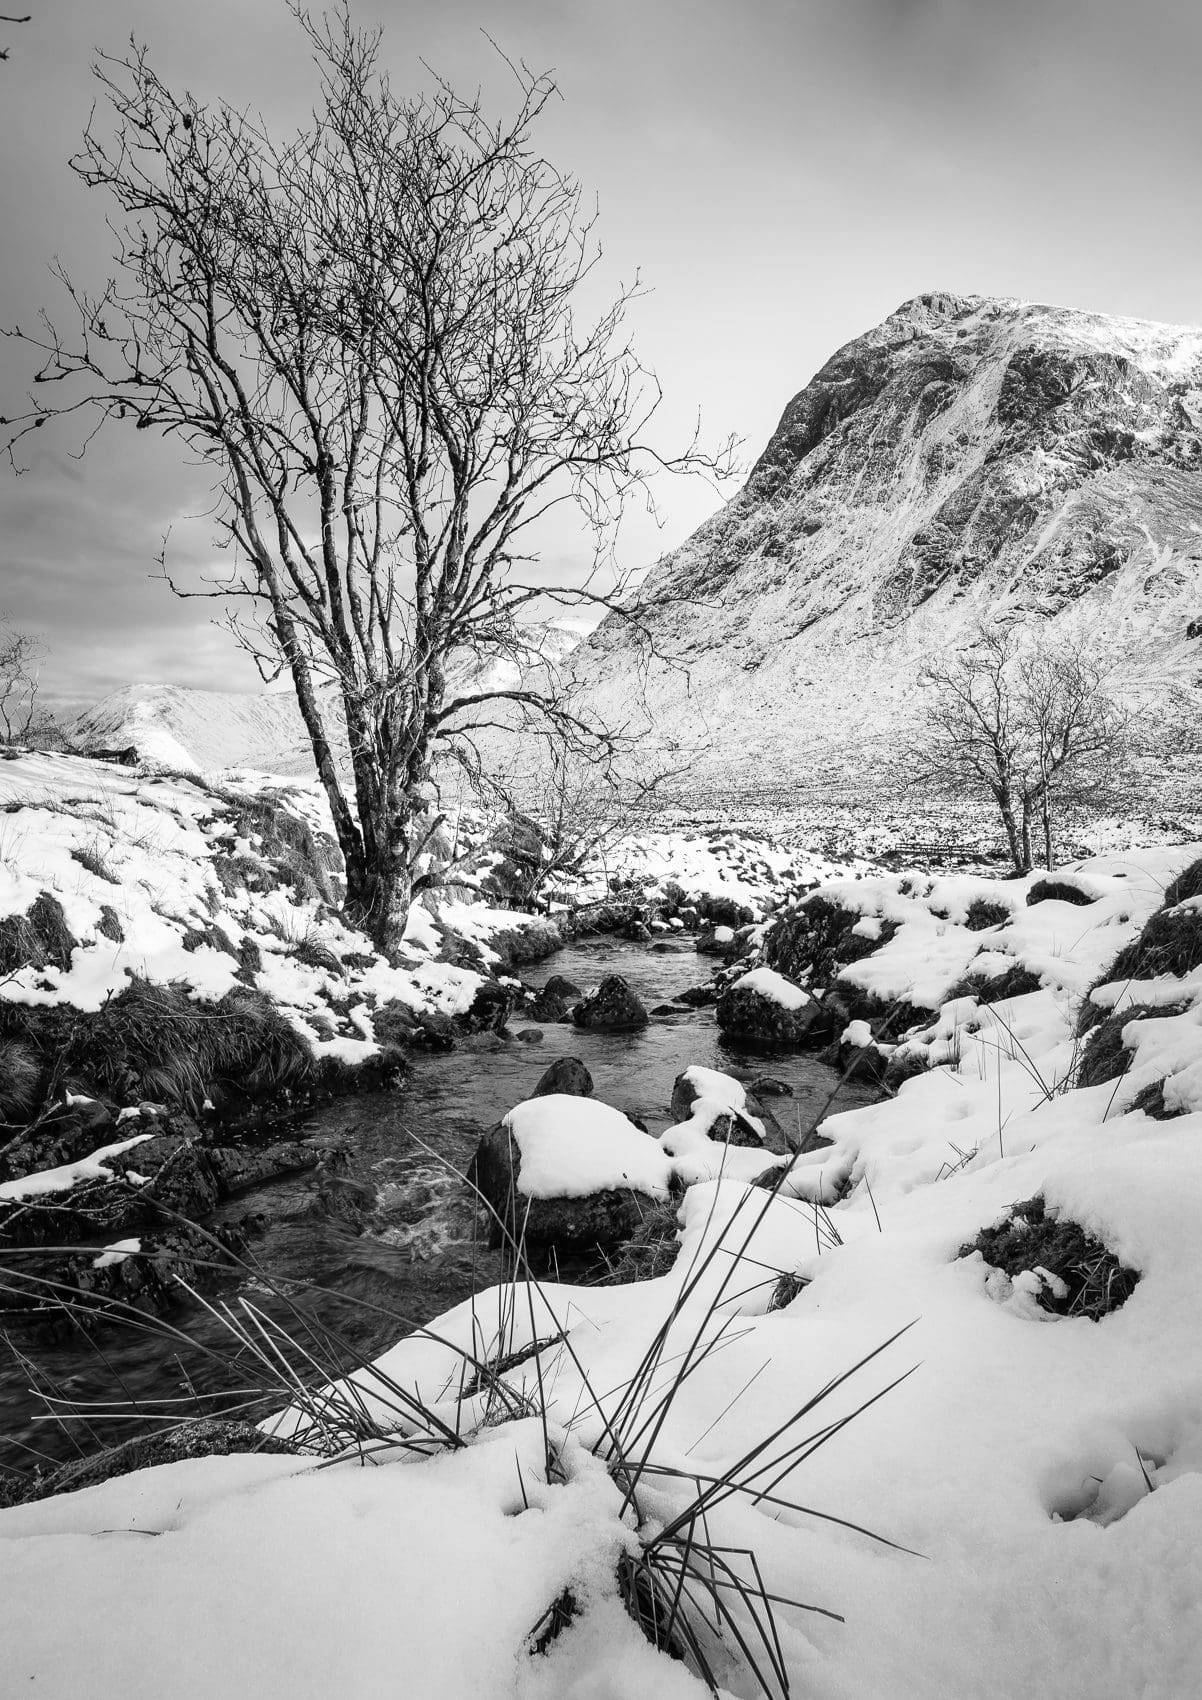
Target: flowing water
[(423, 1248)]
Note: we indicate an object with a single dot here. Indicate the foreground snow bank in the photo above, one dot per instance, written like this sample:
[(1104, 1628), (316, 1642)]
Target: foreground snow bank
[(1042, 1473)]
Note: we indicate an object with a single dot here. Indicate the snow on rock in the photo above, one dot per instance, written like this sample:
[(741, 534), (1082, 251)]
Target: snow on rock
[(572, 1146), (773, 986), (69, 1175)]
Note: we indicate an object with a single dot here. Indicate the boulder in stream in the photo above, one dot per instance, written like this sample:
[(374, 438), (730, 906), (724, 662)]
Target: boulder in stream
[(613, 1008), (569, 1176), (568, 1077), (764, 1008)]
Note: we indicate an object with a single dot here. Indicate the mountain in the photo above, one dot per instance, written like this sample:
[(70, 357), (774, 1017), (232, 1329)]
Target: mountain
[(187, 730), (968, 457)]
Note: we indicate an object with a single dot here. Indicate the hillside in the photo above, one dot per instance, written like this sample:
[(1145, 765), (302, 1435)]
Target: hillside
[(191, 731), (966, 457), (188, 731)]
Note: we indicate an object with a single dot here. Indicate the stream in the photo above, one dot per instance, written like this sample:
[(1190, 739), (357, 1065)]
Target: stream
[(423, 1249)]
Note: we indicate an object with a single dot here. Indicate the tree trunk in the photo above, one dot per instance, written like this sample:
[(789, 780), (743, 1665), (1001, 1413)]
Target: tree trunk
[(379, 900), (1006, 808), (1028, 854)]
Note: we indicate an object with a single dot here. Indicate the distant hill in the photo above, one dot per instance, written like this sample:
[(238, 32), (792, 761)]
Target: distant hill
[(186, 730), (968, 457), (198, 731)]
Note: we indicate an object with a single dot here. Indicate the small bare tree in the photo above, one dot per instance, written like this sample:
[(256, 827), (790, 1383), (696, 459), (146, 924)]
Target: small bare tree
[(19, 657), (570, 811), (1028, 719), (373, 335)]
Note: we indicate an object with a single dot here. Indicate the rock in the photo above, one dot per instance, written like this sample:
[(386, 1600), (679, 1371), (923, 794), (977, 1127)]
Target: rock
[(862, 1059), (770, 1086), (210, 1437), (529, 1035), (697, 997), (488, 1011), (67, 1133), (612, 1008), (753, 1010), (664, 947), (567, 1076), (559, 986), (532, 940), (719, 911), (546, 1007), (721, 1104), (717, 941), (552, 1227)]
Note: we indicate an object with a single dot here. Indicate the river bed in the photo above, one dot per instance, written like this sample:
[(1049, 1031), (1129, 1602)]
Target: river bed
[(423, 1249)]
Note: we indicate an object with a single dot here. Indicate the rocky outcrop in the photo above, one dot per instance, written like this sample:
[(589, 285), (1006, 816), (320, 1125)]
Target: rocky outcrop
[(130, 1222), (613, 1008)]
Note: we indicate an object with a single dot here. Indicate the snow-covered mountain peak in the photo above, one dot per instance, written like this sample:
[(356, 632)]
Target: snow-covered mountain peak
[(966, 457)]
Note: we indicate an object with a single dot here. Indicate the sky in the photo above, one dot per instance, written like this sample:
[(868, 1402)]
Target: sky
[(782, 173)]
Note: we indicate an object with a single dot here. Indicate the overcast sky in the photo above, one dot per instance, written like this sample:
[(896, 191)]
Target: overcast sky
[(783, 172)]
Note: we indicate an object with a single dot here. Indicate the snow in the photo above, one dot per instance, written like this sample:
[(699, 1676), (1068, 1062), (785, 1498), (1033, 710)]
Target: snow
[(107, 841), (712, 1083), (773, 986), (1044, 1473), (68, 1175), (116, 1253), (574, 1146)]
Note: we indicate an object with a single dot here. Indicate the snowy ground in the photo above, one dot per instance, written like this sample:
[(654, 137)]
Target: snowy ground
[(160, 861), (1044, 1472)]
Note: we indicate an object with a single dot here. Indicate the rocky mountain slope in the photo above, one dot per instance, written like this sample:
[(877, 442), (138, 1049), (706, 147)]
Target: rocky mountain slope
[(966, 457)]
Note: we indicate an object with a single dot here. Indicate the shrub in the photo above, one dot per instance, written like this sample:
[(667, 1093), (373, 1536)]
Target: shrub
[(1170, 943), (290, 853), (985, 912), (1187, 884), (1106, 1057), (1015, 982), (157, 1042), (89, 856), (20, 1075), (40, 938), (651, 1250)]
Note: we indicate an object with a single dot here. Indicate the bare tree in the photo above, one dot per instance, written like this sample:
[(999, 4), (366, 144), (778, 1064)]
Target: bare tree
[(569, 811), (1077, 727), (19, 657), (1029, 719), (372, 335)]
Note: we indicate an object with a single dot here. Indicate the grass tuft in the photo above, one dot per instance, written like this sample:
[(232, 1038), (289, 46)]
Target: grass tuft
[(1032, 1237)]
